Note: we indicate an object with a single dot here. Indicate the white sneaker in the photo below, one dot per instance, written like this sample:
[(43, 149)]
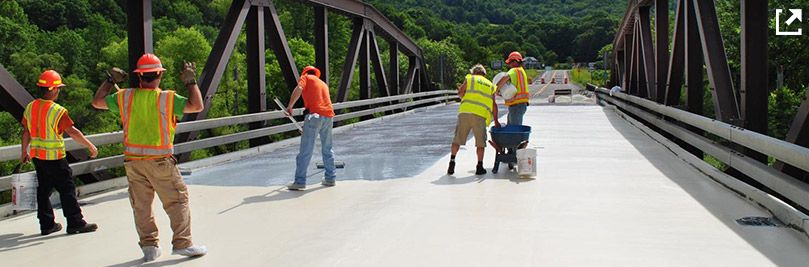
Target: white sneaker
[(151, 253), (192, 251)]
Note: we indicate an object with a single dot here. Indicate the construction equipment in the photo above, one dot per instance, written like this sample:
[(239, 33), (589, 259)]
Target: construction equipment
[(506, 140)]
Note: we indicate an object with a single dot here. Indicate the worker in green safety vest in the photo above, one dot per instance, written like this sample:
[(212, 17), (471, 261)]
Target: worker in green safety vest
[(149, 115), (477, 110)]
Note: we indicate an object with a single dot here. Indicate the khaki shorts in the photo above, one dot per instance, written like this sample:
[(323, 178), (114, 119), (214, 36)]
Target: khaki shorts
[(470, 122)]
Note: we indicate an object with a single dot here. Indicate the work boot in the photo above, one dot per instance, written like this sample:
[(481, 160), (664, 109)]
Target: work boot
[(151, 253), (296, 187), (328, 183), (192, 251), (451, 169), (56, 228), (87, 227), (480, 170)]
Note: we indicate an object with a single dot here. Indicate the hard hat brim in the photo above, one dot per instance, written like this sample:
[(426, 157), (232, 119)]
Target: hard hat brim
[(149, 70)]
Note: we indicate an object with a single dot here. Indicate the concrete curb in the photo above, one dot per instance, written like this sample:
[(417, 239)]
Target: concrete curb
[(117, 183), (781, 210)]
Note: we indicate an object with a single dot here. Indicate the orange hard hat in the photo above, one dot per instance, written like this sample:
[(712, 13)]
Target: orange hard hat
[(149, 63), (309, 68), (514, 56), (50, 79)]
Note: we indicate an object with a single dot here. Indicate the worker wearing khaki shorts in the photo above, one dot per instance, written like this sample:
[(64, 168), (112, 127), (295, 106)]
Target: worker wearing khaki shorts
[(476, 112)]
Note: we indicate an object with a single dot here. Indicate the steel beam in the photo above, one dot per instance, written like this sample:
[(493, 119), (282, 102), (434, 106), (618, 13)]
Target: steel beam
[(642, 89), (365, 68), (799, 135), (358, 9), (754, 88), (358, 33), (633, 65), (139, 32), (694, 63), (256, 75), (676, 66), (13, 96), (662, 47), (647, 54), (379, 69), (411, 75), (322, 42), (626, 72), (722, 90), (216, 64), (393, 73), (278, 43)]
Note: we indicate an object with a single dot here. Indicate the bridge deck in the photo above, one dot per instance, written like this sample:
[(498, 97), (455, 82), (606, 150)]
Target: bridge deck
[(607, 194)]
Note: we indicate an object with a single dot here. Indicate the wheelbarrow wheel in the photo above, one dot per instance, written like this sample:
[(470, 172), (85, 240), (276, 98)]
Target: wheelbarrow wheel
[(511, 166)]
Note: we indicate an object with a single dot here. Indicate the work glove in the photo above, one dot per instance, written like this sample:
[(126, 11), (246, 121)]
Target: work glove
[(189, 73), (116, 75)]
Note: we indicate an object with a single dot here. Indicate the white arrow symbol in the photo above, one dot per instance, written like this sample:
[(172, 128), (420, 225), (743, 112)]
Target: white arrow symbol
[(796, 14)]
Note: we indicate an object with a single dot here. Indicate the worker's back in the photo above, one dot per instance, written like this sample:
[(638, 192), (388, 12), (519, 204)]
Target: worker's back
[(316, 96)]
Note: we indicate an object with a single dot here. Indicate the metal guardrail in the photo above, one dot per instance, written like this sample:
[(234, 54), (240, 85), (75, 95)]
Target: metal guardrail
[(795, 155), (13, 152)]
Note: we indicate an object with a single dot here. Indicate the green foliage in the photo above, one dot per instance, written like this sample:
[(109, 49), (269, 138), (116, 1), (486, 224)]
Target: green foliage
[(782, 105)]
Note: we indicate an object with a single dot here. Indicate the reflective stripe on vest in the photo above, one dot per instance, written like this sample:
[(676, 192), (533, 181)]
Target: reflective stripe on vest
[(153, 133), (42, 118), (478, 97), (522, 95)]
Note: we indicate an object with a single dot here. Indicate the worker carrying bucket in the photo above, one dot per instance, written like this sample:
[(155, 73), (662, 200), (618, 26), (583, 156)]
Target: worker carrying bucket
[(44, 121), (23, 190)]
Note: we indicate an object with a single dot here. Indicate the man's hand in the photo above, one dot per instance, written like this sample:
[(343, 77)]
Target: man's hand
[(189, 73), (25, 158), (117, 75), (497, 124), (93, 151), (289, 112)]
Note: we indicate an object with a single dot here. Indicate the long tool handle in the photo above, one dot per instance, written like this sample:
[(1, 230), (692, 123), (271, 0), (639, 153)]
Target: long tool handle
[(284, 109)]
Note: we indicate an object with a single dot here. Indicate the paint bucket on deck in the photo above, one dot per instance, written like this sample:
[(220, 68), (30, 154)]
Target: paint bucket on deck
[(23, 190), (527, 162)]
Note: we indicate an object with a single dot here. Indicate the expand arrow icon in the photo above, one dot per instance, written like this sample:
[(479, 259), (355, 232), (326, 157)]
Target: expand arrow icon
[(796, 14)]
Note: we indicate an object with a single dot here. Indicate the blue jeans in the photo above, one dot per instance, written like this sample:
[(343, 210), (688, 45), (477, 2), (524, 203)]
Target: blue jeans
[(516, 112), (311, 128)]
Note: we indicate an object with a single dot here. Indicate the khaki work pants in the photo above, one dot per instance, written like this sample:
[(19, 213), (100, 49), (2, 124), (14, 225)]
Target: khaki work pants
[(162, 176)]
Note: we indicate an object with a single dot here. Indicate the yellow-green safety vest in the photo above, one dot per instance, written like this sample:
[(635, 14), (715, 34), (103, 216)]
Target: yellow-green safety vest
[(478, 97), (149, 124), (520, 80)]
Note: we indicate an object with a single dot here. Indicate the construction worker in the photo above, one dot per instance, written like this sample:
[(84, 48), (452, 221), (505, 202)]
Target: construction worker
[(316, 99), (519, 104), (477, 110), (149, 117), (44, 122)]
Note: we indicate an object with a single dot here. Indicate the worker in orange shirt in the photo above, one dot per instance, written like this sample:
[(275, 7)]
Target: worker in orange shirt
[(44, 123), (316, 99)]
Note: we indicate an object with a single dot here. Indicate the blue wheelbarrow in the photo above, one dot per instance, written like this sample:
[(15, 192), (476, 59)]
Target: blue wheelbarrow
[(506, 140)]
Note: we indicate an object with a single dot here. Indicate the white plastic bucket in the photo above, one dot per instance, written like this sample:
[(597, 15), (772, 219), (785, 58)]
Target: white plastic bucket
[(507, 91), (527, 162), (24, 191)]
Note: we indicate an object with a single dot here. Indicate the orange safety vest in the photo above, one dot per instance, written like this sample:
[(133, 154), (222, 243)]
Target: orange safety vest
[(522, 95), (42, 118), (149, 124)]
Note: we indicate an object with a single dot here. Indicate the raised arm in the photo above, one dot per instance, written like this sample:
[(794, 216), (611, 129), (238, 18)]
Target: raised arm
[(189, 75), (99, 100)]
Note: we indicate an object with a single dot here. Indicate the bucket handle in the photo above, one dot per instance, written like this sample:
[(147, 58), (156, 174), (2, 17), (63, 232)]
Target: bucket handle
[(17, 169)]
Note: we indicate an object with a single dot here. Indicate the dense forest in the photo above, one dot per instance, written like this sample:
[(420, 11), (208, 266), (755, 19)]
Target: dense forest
[(82, 38)]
